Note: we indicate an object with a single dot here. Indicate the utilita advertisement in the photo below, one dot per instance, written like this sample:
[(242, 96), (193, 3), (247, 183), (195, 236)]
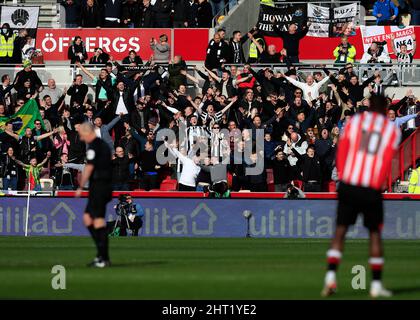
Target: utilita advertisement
[(169, 217)]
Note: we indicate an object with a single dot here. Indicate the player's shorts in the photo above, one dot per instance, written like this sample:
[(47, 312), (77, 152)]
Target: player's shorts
[(99, 196), (353, 200)]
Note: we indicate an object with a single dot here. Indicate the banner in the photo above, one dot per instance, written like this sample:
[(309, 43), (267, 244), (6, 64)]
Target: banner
[(55, 43), (180, 217), (24, 118), (281, 16), (319, 18), (344, 22), (21, 17), (385, 33)]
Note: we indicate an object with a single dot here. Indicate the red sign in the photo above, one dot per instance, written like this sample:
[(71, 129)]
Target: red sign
[(191, 44), (55, 43)]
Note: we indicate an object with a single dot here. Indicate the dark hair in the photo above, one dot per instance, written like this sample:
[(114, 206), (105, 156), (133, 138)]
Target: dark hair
[(4, 77), (378, 103), (236, 32)]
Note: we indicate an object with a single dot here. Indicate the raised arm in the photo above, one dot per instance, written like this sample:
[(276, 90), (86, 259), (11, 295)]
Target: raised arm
[(213, 75), (12, 134), (295, 82), (88, 73), (46, 135), (190, 77), (45, 160), (257, 44), (20, 163), (233, 100)]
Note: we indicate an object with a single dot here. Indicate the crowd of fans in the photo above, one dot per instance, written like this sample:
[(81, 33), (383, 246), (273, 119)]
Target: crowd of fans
[(300, 115), (141, 13)]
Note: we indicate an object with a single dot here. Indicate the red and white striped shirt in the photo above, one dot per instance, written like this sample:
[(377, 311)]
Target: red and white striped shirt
[(365, 150)]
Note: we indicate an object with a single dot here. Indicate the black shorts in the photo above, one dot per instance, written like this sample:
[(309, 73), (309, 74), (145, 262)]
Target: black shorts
[(353, 200), (99, 196)]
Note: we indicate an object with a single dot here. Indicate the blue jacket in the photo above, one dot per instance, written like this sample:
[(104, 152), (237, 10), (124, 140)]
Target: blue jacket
[(387, 8)]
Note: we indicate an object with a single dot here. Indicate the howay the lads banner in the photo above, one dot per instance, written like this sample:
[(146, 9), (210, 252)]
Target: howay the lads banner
[(281, 16), (324, 21)]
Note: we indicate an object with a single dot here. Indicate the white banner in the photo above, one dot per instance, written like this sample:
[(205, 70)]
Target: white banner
[(345, 20), (319, 18), (385, 33), (20, 17)]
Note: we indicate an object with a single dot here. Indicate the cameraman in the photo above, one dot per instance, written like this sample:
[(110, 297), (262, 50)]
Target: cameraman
[(131, 212), (344, 52), (294, 193)]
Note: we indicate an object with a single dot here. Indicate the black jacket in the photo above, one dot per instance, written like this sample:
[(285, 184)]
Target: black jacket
[(77, 93), (120, 169), (73, 51), (90, 17), (204, 15), (147, 16), (162, 9)]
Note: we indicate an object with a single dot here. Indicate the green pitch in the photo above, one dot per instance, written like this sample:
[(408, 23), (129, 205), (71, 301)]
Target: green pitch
[(156, 268)]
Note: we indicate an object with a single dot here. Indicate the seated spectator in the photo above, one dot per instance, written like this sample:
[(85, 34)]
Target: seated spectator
[(132, 59), (344, 52), (99, 57), (77, 51), (375, 54), (386, 12)]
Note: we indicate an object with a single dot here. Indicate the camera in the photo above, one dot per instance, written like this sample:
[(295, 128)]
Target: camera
[(123, 207)]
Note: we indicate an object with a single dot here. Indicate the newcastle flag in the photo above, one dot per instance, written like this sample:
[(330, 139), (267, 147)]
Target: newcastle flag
[(20, 17)]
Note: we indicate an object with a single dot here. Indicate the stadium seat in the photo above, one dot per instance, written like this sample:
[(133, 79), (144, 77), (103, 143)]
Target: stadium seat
[(270, 180), (47, 184), (332, 187), (169, 185), (298, 183)]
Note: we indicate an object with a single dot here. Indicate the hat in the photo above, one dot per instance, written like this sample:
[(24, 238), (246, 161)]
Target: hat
[(26, 63)]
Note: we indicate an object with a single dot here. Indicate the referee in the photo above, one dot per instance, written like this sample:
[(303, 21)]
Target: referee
[(97, 171), (364, 156)]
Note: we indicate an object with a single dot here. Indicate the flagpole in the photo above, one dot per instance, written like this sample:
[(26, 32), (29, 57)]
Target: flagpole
[(27, 209)]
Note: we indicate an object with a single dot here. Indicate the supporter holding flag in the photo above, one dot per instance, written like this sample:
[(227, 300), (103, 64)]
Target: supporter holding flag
[(7, 38)]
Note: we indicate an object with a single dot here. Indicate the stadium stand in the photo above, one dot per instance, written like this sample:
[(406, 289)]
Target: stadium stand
[(242, 85)]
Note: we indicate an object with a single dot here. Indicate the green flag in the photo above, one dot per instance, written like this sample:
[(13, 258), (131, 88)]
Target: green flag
[(24, 118)]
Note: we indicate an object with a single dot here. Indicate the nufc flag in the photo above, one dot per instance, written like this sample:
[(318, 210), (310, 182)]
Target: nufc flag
[(19, 17), (325, 21)]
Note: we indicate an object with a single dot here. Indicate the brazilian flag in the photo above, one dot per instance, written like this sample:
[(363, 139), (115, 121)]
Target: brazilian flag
[(24, 118)]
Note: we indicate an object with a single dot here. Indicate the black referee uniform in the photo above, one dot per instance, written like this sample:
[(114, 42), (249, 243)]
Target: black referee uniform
[(98, 154)]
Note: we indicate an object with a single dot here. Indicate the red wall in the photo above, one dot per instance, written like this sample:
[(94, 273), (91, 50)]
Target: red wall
[(54, 43), (312, 48)]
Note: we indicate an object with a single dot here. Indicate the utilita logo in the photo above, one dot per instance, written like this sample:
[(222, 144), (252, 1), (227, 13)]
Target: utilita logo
[(117, 44)]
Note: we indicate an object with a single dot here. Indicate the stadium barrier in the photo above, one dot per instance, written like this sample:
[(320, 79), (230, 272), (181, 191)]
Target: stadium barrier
[(190, 214), (405, 158)]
